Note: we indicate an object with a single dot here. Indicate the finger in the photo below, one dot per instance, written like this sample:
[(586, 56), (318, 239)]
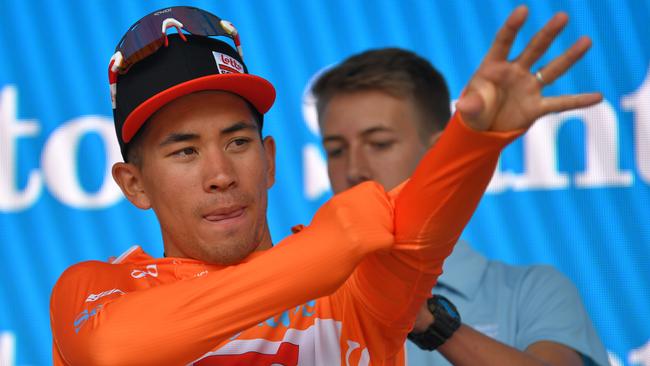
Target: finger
[(506, 35), (542, 40), (566, 102), (560, 65)]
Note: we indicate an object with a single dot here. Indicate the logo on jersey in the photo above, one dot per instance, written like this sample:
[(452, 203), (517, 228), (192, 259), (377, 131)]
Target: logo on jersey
[(286, 354), (83, 317), (298, 347), (150, 270), (95, 297)]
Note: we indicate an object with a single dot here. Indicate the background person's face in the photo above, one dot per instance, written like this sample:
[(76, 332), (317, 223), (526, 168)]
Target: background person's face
[(206, 173), (370, 135)]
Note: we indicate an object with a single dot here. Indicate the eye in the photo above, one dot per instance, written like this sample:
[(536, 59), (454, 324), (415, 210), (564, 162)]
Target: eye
[(334, 153), (185, 152), (381, 145), (238, 144)]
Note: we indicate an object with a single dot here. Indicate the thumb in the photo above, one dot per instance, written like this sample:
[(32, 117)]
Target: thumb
[(471, 106)]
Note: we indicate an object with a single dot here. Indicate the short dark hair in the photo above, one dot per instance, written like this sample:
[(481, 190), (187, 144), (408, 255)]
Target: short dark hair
[(397, 72), (133, 148)]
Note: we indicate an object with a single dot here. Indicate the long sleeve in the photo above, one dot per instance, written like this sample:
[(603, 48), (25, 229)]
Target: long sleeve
[(177, 322), (431, 210)]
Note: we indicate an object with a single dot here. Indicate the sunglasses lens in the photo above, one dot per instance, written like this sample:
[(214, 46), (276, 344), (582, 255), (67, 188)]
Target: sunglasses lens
[(199, 22), (146, 36), (143, 39)]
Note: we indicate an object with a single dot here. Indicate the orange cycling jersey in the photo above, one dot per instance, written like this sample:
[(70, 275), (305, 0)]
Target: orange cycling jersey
[(139, 310)]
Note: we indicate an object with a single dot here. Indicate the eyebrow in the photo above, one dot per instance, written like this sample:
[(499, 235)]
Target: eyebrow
[(372, 130), (181, 137), (178, 137), (364, 133), (240, 126)]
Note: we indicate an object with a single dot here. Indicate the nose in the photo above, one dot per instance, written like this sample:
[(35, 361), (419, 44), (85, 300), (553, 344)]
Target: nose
[(218, 172), (358, 170)]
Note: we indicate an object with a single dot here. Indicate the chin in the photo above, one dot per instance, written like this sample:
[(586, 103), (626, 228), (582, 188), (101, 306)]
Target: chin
[(232, 255)]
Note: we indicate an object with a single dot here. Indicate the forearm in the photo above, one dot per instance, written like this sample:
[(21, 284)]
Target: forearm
[(434, 206), (431, 211), (468, 347)]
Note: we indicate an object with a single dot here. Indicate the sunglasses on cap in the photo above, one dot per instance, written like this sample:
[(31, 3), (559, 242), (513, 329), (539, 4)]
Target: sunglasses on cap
[(148, 34)]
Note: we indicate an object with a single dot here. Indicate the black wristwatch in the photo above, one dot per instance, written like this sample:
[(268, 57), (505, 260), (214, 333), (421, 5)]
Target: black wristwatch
[(446, 320)]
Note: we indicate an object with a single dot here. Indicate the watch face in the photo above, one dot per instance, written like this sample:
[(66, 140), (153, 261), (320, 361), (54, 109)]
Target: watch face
[(449, 308)]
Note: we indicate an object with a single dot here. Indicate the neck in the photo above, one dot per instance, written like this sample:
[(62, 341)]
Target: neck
[(266, 242)]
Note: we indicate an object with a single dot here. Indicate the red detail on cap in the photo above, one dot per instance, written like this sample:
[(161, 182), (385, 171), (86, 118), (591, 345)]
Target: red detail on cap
[(258, 91), (178, 30), (181, 34), (112, 76), (225, 69)]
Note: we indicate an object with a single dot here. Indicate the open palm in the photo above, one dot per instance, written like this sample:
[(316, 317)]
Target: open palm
[(504, 95)]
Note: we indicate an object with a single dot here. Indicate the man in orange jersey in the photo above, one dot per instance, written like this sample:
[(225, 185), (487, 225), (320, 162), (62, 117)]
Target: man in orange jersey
[(345, 289)]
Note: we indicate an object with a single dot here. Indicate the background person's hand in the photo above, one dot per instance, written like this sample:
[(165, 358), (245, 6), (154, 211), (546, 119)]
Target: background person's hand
[(504, 95)]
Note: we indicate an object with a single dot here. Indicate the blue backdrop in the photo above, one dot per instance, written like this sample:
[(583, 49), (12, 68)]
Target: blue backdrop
[(574, 192)]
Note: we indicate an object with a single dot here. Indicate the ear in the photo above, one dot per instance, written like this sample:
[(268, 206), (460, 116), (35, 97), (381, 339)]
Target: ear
[(434, 138), (129, 178), (269, 151)]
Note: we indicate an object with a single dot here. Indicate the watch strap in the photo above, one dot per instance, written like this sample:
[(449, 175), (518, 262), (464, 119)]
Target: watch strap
[(446, 320)]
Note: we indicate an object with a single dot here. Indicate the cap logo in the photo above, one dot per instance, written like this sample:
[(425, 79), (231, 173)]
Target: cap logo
[(227, 64), (168, 10)]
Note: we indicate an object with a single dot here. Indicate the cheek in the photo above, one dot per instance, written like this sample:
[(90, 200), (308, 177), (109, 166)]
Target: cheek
[(336, 170), (169, 188), (253, 174), (393, 167), (169, 200)]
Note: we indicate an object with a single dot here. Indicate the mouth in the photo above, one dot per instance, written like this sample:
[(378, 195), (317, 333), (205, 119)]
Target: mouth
[(225, 214)]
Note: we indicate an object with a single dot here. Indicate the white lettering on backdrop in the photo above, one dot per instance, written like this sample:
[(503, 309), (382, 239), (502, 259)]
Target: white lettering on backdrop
[(58, 170), (58, 160)]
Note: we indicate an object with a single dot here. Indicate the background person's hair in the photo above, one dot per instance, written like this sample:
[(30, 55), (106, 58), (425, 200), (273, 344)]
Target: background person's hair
[(397, 72)]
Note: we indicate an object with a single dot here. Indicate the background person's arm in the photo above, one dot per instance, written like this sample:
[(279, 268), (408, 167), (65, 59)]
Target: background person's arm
[(468, 347), (552, 328)]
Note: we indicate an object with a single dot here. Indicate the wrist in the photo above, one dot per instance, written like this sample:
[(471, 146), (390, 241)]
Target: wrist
[(423, 321), (445, 321)]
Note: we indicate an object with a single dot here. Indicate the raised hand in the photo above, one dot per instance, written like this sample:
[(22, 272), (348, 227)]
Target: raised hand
[(504, 95)]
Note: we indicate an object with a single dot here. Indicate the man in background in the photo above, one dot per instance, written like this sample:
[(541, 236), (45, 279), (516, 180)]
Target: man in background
[(379, 112)]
